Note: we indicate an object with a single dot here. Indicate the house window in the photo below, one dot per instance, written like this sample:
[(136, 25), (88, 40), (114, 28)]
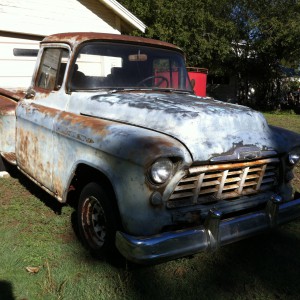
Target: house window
[(25, 52)]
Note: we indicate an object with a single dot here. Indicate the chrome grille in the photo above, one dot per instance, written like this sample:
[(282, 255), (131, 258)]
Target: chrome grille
[(210, 183)]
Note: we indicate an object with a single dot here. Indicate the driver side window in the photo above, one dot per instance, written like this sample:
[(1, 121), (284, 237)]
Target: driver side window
[(52, 69)]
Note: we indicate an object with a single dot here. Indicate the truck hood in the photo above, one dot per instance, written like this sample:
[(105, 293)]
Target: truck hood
[(208, 128)]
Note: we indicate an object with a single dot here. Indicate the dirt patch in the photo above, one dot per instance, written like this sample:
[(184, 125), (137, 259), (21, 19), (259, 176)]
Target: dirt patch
[(296, 180), (8, 190), (66, 237), (181, 271)]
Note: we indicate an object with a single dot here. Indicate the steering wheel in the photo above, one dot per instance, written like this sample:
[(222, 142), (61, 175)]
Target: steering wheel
[(162, 79)]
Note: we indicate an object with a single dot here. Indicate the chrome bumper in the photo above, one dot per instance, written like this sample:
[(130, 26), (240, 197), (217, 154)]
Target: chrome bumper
[(214, 233)]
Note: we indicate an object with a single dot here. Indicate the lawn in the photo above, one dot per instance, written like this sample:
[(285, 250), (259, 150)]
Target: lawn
[(41, 257)]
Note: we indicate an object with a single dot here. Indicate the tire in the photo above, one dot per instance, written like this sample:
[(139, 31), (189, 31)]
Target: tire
[(96, 221)]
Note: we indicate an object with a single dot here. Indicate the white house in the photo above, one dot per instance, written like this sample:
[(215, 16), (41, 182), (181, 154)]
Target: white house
[(24, 23)]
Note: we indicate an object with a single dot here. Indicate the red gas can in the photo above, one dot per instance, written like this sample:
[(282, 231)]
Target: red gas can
[(199, 75)]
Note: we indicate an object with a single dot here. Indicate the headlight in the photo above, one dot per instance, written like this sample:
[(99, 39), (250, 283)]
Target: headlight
[(294, 157), (161, 170)]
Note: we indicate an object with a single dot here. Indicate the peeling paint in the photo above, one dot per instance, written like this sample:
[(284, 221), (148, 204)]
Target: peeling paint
[(7, 106), (76, 38), (7, 124), (193, 121)]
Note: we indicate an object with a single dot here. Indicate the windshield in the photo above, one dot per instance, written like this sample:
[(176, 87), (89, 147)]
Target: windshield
[(123, 66)]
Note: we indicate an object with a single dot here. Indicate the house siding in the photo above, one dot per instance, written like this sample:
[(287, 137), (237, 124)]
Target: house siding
[(41, 17), (16, 71), (21, 19)]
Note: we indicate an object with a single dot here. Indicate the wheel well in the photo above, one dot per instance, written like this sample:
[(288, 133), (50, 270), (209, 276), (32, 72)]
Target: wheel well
[(85, 174)]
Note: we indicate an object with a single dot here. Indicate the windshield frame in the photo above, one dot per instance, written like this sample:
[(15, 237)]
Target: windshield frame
[(152, 52)]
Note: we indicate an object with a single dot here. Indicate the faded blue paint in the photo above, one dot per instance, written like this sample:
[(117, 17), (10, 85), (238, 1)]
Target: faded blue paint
[(7, 131), (206, 127)]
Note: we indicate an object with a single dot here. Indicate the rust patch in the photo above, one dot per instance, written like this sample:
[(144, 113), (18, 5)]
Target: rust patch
[(98, 126), (126, 143), (74, 38), (23, 144), (31, 159), (14, 94), (9, 156), (47, 111), (7, 106), (237, 165), (43, 93)]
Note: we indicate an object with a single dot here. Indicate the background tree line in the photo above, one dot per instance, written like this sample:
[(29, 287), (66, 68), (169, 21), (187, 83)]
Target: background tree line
[(249, 40)]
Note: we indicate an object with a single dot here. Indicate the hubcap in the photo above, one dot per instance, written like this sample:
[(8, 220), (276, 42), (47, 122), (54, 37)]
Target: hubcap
[(94, 222)]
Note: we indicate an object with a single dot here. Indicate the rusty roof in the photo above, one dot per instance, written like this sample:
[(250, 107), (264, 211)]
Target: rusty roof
[(75, 38)]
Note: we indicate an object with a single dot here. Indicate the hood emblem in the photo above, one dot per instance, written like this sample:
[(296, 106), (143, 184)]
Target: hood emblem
[(243, 153), (248, 155)]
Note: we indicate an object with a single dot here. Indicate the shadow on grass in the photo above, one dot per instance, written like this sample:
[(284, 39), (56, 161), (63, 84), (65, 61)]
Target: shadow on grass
[(6, 290), (37, 191), (264, 267)]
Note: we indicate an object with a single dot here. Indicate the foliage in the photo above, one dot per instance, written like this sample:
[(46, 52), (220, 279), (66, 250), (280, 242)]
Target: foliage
[(292, 85), (269, 31), (243, 38), (200, 28)]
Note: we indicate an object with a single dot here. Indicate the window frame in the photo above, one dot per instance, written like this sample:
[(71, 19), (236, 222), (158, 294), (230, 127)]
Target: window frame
[(56, 87)]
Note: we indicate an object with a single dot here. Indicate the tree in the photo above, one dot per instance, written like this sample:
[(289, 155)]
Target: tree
[(245, 38), (270, 34), (200, 28)]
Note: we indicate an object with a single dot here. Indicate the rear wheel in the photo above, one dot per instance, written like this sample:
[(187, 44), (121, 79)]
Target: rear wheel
[(96, 220)]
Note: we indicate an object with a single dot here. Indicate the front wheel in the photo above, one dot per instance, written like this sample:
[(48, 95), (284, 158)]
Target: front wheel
[(96, 220)]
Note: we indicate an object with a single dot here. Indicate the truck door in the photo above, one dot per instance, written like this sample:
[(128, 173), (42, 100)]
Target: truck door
[(36, 117)]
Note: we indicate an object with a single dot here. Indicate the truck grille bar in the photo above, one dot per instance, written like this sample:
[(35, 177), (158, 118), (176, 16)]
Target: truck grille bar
[(210, 183)]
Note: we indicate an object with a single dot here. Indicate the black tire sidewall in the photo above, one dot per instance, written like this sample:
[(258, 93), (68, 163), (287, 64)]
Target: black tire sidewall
[(96, 191)]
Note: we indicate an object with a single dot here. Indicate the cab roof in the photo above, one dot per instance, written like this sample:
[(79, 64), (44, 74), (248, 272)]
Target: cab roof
[(75, 38)]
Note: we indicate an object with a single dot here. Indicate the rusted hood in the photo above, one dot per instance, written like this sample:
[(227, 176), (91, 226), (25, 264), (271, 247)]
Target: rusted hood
[(206, 127)]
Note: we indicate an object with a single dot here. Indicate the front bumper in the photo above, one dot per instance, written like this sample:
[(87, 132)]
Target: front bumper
[(214, 233)]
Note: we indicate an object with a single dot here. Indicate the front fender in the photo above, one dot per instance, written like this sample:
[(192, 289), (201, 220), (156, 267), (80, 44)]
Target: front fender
[(123, 154), (135, 144), (284, 140)]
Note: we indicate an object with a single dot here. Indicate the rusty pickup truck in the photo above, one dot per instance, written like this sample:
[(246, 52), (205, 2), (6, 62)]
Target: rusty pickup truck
[(112, 123)]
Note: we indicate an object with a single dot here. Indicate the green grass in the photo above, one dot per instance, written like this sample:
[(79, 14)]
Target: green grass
[(36, 232), (289, 121)]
